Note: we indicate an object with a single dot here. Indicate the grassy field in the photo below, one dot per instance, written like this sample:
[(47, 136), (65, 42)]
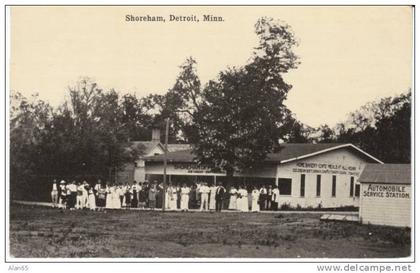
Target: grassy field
[(47, 232)]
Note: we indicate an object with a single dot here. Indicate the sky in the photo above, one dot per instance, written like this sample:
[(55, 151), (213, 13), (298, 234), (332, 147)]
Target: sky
[(349, 55)]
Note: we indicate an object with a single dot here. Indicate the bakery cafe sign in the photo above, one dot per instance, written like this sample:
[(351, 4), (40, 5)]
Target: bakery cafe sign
[(325, 168), (386, 191), (194, 168)]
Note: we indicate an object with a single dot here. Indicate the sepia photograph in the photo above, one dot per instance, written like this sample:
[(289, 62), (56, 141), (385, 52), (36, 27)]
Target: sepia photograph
[(218, 132)]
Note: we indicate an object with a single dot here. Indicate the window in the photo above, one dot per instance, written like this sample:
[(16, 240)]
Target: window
[(285, 186), (302, 185), (318, 185), (351, 186), (334, 186), (357, 191)]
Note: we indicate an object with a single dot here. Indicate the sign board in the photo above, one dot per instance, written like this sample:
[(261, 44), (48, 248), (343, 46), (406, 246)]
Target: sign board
[(325, 168), (386, 191)]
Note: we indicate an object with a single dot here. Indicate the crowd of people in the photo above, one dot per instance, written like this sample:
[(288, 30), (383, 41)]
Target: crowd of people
[(103, 195)]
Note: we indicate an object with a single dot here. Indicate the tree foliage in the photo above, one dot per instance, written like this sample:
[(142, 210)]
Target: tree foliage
[(382, 128), (242, 113), (88, 135)]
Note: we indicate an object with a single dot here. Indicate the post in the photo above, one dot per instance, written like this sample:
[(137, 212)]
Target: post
[(165, 159)]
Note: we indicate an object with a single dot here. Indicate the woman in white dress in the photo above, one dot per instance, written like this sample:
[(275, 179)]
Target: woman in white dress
[(185, 197), (54, 194), (166, 196), (116, 199), (233, 196), (172, 195), (109, 202), (212, 201), (91, 199), (242, 201), (255, 195)]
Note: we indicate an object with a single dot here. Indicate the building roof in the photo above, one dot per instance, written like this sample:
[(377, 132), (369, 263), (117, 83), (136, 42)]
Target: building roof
[(287, 153), (148, 145), (386, 173), (178, 147)]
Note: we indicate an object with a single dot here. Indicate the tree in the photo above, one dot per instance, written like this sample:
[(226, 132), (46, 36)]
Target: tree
[(87, 136), (382, 128), (179, 103), (28, 119), (241, 115)]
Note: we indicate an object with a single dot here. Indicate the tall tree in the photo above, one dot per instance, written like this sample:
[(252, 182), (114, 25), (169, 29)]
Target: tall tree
[(382, 128), (242, 113), (179, 103)]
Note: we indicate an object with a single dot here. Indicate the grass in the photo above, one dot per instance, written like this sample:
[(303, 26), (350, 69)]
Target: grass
[(46, 232)]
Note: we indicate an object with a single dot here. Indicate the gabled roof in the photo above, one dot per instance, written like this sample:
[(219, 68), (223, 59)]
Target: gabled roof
[(148, 145), (287, 153), (178, 147), (295, 151), (386, 173)]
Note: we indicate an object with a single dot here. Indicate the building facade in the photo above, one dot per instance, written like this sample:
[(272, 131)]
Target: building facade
[(386, 195), (308, 175)]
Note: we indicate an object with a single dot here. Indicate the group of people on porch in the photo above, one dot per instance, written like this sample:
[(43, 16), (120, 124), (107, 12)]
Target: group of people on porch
[(201, 195)]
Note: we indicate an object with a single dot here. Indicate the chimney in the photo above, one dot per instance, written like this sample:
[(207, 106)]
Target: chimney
[(155, 135)]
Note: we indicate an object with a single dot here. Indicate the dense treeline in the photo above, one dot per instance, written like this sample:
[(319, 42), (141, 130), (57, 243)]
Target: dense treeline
[(233, 120)]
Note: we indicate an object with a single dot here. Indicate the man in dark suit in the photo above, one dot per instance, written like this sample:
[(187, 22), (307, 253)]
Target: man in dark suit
[(220, 192)]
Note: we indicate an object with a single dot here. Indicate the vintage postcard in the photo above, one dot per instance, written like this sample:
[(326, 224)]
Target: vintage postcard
[(217, 133)]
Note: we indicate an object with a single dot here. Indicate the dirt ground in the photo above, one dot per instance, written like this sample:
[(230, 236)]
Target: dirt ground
[(46, 232)]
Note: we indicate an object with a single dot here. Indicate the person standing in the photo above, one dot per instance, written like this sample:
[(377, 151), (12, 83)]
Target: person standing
[(172, 197), (220, 192), (63, 194), (85, 194), (135, 193), (263, 197), (79, 197), (269, 196), (127, 193), (120, 195), (275, 199), (185, 197), (192, 197), (54, 194), (72, 189), (212, 201), (242, 201), (233, 198), (160, 195), (143, 195), (152, 196), (204, 191), (101, 195), (108, 202), (91, 199), (255, 196), (178, 196)]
